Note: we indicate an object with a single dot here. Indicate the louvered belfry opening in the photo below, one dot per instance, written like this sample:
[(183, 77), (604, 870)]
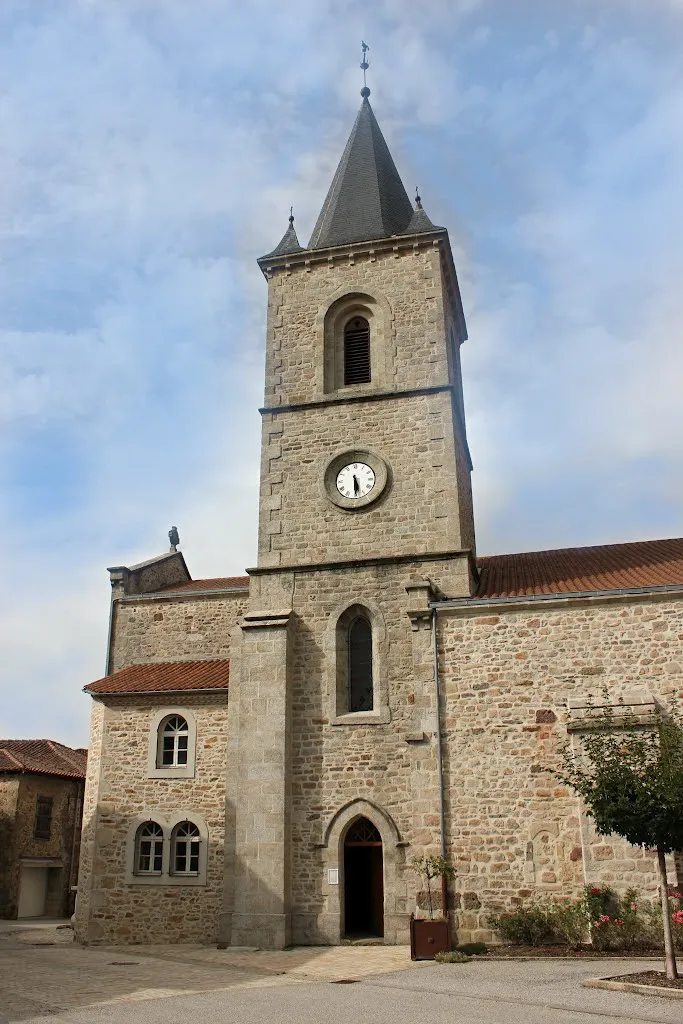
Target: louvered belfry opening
[(357, 351), (360, 665)]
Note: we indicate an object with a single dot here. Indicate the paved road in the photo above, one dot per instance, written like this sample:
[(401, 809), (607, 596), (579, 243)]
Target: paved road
[(63, 984)]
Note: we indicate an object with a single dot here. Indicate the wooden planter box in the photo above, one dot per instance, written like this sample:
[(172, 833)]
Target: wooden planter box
[(427, 938)]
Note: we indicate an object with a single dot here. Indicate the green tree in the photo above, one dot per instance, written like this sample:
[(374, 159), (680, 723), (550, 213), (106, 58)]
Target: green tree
[(630, 776), (430, 868)]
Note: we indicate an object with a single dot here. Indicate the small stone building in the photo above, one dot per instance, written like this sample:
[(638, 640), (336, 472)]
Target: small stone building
[(41, 803), (270, 752)]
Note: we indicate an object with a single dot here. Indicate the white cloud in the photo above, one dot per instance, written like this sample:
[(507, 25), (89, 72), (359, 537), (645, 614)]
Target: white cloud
[(153, 153)]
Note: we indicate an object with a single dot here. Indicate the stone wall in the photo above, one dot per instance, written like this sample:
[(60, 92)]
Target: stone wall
[(111, 910), (387, 770), (508, 672), (419, 511), (174, 629), (9, 866), (427, 505), (298, 300), (18, 796)]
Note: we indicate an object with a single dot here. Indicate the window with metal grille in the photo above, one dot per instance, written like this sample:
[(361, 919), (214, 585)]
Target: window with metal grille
[(360, 665), (357, 351), (42, 826), (149, 848), (185, 849), (362, 832), (173, 742)]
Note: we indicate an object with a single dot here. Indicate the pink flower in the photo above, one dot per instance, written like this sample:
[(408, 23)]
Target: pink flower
[(618, 920), (677, 895), (634, 906), (677, 917), (604, 918), (597, 925), (595, 892)]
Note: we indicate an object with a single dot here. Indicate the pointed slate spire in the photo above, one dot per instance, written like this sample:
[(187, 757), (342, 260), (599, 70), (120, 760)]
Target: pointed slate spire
[(288, 243), (366, 199), (419, 220)]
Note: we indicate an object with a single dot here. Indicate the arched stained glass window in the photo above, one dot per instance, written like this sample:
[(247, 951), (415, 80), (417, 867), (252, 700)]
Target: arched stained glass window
[(360, 664), (185, 842), (149, 848), (357, 351), (173, 742)]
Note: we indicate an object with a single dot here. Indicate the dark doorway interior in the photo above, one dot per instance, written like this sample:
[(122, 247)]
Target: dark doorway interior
[(363, 882)]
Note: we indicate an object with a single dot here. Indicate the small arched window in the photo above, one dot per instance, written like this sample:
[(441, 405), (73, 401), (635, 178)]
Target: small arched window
[(185, 841), (173, 742), (360, 664), (357, 351), (149, 849)]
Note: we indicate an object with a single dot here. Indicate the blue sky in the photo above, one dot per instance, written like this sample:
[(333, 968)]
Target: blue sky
[(151, 150)]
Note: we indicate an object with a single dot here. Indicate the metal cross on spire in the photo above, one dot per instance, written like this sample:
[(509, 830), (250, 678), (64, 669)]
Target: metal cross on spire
[(365, 64)]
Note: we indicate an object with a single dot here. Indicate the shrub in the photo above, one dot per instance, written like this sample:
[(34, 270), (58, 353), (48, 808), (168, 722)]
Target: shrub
[(528, 926), (473, 948), (569, 922), (608, 921), (453, 956)]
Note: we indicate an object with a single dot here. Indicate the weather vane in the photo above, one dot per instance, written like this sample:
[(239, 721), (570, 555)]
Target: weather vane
[(365, 64)]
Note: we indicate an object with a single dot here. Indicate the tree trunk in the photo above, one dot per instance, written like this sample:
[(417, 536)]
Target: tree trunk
[(669, 952)]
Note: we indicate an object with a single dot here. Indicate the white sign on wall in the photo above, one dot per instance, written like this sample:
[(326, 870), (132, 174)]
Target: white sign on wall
[(333, 876)]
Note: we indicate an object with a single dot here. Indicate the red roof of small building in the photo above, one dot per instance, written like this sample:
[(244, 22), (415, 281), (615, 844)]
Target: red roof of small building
[(220, 583), (45, 757), (651, 563), (165, 676)]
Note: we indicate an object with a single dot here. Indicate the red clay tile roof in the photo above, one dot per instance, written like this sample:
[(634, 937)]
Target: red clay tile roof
[(652, 563), (45, 757), (220, 583), (165, 676)]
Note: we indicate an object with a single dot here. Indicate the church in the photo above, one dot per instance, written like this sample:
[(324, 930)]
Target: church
[(269, 753)]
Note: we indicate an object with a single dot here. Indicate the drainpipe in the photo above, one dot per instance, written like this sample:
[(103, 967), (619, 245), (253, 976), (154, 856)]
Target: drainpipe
[(439, 757)]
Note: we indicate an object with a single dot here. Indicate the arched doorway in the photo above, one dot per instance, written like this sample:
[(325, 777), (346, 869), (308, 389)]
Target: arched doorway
[(363, 881)]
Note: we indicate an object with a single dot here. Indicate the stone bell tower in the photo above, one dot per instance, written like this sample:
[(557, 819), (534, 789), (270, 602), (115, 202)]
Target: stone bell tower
[(365, 484)]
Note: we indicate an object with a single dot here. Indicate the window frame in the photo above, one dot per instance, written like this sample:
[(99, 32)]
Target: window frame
[(155, 840), (177, 733), (43, 834), (337, 660), (168, 824), (188, 840), (156, 770)]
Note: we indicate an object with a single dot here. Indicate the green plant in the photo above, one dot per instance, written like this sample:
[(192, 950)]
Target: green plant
[(569, 921), (453, 956), (527, 926), (630, 776), (472, 948), (428, 868)]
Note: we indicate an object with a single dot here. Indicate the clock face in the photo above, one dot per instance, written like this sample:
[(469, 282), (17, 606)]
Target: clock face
[(355, 480)]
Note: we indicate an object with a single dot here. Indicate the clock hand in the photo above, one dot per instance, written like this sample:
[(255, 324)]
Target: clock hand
[(356, 486)]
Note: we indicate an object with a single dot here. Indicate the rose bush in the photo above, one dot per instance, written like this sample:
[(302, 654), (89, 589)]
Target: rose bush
[(600, 917)]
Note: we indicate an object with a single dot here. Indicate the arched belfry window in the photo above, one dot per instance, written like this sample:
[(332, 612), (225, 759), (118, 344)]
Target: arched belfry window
[(357, 351), (360, 664)]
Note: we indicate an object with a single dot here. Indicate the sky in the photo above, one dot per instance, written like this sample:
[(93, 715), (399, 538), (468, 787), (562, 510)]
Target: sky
[(150, 152)]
